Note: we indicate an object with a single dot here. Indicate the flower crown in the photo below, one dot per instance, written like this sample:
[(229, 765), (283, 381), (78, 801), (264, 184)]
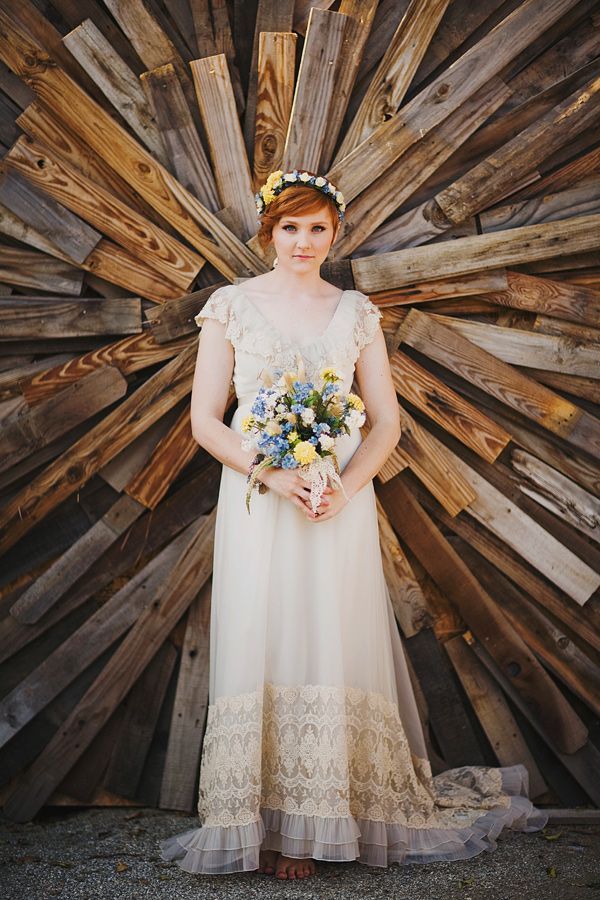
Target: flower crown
[(278, 182)]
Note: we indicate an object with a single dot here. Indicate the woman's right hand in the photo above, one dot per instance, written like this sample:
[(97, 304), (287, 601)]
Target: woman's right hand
[(287, 483)]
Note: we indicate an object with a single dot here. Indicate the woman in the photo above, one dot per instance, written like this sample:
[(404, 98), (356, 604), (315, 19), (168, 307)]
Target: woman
[(313, 747)]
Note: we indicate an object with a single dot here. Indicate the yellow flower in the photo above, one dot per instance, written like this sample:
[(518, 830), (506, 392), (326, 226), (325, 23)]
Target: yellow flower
[(305, 452), (291, 417), (293, 436), (330, 374), (355, 402), (247, 423)]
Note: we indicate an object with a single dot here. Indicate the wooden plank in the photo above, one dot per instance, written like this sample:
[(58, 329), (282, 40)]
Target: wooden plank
[(406, 595), (473, 254), (172, 454), (122, 152), (73, 12), (105, 212), (494, 713), (314, 93), (33, 317), (537, 690), (67, 231), (428, 459), (30, 269), (356, 171), (496, 378), (176, 319), (583, 763), (216, 102), (580, 200), (572, 302), (125, 666), (16, 371), (178, 131), (526, 537), (152, 45), (558, 493), (143, 706), (549, 642), (526, 348), (359, 20), (464, 420), (129, 355), (395, 185), (271, 15), (395, 72), (275, 95), (157, 395), (84, 645), (94, 52), (178, 785), (29, 430)]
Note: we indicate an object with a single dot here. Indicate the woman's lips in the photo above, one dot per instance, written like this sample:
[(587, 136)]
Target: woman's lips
[(301, 256)]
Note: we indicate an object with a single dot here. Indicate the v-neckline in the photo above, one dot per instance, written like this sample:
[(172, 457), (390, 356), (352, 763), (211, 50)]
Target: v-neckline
[(285, 338)]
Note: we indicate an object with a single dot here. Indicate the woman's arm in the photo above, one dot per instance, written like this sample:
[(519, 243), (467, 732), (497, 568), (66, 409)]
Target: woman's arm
[(374, 379), (210, 392)]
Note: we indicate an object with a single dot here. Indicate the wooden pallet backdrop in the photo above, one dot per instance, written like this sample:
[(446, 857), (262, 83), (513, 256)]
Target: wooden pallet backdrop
[(465, 139)]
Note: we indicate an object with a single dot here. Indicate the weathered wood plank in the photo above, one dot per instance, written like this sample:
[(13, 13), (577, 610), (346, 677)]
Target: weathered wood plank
[(105, 212), (178, 785), (30, 429), (527, 348), (580, 200), (30, 269), (447, 92), (178, 131), (176, 319), (67, 231), (535, 687), (556, 492), (275, 95), (137, 648), (32, 317), (314, 93), (118, 83), (447, 408), (129, 355), (490, 374), (216, 102), (395, 72), (572, 302), (157, 395), (124, 154), (494, 713)]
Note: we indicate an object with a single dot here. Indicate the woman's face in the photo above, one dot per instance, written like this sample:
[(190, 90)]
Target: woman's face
[(303, 242)]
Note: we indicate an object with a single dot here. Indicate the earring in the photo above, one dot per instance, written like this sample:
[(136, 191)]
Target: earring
[(275, 261)]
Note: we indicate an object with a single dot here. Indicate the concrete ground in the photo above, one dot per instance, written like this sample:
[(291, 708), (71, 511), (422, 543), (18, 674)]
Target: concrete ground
[(112, 854)]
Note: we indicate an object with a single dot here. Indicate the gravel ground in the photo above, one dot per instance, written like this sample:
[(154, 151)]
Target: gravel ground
[(112, 854)]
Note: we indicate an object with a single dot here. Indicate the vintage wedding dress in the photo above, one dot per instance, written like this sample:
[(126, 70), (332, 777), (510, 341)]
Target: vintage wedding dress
[(313, 743)]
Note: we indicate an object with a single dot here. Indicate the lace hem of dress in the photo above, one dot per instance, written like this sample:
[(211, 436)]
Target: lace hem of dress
[(221, 850)]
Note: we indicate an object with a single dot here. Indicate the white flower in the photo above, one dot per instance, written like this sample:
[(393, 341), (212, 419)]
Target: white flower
[(320, 181), (305, 176), (290, 176), (338, 196), (280, 408), (307, 416), (326, 441)]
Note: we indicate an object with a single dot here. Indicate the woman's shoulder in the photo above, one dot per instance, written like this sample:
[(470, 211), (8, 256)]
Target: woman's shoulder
[(218, 305)]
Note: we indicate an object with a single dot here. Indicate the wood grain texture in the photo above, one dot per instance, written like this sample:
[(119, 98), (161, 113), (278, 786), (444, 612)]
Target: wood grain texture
[(216, 102), (46, 318), (275, 95)]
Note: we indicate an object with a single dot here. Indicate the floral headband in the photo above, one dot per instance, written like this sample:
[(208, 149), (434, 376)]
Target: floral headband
[(278, 182)]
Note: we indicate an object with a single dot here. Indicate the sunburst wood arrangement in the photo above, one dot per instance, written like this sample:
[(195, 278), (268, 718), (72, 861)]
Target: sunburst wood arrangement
[(465, 139)]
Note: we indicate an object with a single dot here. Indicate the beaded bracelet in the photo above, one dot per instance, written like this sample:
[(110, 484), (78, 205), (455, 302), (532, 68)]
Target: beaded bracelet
[(262, 487)]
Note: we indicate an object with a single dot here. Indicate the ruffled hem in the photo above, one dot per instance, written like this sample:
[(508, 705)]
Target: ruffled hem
[(213, 850)]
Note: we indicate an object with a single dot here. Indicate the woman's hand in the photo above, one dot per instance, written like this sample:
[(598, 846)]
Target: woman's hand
[(287, 483), (335, 504)]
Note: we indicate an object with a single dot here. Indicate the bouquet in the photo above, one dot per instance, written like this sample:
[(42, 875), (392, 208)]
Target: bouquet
[(293, 424)]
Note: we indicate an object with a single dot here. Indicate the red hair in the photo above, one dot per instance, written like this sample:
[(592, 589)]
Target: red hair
[(296, 200)]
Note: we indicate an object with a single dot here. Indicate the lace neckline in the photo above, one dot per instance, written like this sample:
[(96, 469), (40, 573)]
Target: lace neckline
[(284, 338)]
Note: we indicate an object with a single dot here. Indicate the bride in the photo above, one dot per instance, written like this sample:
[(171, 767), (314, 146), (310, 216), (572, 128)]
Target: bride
[(314, 748)]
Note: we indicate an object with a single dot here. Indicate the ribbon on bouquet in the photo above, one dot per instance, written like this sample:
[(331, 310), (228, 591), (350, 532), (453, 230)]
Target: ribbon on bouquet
[(315, 473)]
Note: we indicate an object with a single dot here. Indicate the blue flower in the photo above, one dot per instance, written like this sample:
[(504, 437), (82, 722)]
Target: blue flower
[(289, 462)]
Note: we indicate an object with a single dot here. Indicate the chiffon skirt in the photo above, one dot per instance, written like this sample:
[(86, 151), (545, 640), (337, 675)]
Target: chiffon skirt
[(313, 744)]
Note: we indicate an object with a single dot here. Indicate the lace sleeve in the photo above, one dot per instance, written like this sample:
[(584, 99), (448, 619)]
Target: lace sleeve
[(367, 322), (218, 306)]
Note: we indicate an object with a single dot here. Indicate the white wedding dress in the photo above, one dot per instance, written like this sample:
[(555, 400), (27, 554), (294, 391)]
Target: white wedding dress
[(313, 743)]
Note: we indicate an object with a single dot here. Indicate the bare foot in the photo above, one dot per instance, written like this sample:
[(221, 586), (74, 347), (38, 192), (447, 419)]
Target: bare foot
[(267, 860), (291, 867)]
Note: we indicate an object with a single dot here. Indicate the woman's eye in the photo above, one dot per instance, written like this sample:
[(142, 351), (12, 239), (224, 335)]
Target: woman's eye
[(321, 227)]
